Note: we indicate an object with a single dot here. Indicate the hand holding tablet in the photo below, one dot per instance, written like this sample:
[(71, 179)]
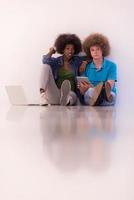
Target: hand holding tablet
[(83, 80)]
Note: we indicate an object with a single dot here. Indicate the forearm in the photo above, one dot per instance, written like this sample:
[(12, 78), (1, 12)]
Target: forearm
[(82, 67), (47, 58), (111, 82)]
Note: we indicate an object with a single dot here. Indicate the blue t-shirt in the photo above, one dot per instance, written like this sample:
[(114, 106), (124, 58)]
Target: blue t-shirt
[(108, 71)]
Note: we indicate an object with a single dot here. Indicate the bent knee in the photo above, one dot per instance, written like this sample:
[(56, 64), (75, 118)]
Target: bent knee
[(46, 67)]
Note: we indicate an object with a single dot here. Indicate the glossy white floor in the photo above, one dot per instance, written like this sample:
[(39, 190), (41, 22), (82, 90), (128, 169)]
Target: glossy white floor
[(66, 153)]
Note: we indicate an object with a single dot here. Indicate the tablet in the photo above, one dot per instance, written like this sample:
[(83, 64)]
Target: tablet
[(82, 78)]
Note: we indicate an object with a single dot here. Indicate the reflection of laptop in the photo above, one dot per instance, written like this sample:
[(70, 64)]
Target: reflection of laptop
[(17, 96)]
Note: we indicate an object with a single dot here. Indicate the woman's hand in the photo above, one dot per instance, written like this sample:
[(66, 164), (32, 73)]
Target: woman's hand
[(83, 86), (51, 51)]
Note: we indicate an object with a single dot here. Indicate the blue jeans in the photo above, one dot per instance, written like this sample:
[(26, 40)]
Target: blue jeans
[(89, 93)]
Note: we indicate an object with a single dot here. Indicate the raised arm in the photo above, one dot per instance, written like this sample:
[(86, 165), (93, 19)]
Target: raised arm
[(48, 59)]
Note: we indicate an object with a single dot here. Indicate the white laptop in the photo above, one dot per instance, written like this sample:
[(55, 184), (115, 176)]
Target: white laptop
[(16, 95)]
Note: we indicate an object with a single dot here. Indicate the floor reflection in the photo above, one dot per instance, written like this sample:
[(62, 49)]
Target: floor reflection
[(79, 137), (16, 113)]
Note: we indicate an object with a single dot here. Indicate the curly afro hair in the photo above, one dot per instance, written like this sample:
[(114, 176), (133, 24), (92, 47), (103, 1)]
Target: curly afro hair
[(64, 39), (96, 39)]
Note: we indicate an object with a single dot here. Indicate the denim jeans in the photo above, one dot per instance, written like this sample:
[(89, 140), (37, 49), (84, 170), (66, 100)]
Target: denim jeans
[(89, 93)]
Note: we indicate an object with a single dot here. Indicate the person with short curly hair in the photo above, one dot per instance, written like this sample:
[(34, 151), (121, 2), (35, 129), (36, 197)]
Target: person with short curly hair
[(58, 77), (101, 72), (96, 39)]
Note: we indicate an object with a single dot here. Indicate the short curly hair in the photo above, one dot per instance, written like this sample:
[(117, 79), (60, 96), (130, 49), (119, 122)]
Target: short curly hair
[(64, 39), (96, 39)]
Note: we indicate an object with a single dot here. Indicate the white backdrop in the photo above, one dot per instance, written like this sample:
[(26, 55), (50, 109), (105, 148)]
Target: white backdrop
[(29, 28)]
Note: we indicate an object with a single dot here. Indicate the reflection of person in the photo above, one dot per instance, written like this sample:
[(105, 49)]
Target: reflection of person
[(102, 134), (85, 141), (60, 141), (101, 72), (59, 73)]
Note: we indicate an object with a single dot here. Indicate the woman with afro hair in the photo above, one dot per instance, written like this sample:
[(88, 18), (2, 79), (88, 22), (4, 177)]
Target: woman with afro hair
[(101, 72), (58, 77)]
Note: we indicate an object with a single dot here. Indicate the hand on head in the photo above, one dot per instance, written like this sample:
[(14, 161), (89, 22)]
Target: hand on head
[(52, 50)]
